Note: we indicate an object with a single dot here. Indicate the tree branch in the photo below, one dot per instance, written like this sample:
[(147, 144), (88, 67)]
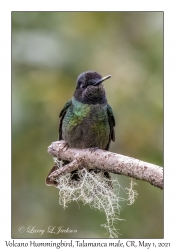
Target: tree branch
[(108, 161)]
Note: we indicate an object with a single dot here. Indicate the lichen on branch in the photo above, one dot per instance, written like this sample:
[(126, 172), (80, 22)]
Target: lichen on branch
[(94, 190)]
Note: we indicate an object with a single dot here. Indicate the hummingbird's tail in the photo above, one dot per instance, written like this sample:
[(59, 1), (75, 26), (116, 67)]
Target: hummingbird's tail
[(50, 182), (74, 175)]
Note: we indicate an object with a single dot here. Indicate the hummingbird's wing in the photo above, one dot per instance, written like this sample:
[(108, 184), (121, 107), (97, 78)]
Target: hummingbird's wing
[(62, 114), (111, 121)]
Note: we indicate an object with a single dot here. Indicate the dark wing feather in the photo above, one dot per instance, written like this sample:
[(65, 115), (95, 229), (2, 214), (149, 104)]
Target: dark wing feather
[(62, 114), (111, 121)]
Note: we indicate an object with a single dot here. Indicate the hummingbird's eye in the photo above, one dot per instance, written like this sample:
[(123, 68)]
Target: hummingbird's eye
[(83, 86)]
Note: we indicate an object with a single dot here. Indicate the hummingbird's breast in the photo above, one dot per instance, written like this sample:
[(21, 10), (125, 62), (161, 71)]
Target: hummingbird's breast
[(86, 126)]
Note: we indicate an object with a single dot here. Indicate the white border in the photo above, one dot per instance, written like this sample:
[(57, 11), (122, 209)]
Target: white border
[(5, 95)]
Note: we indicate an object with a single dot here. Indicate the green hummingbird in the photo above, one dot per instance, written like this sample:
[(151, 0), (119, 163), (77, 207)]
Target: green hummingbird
[(87, 120)]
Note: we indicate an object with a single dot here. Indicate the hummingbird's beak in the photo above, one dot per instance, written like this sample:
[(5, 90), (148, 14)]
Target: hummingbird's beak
[(101, 80)]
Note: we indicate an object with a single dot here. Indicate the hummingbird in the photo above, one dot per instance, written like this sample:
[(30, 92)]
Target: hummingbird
[(87, 120)]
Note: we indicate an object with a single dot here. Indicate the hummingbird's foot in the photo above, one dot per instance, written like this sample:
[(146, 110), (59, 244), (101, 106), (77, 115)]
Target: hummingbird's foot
[(93, 149)]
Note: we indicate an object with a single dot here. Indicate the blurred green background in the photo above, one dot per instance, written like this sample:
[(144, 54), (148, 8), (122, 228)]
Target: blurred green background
[(49, 51)]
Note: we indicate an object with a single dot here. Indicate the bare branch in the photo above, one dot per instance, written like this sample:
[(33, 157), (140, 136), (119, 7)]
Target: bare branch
[(108, 161), (75, 164)]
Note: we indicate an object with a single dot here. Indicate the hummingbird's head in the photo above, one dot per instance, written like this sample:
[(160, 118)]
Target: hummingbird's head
[(90, 89)]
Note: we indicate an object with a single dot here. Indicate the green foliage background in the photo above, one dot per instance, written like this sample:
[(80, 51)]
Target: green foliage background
[(49, 51)]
